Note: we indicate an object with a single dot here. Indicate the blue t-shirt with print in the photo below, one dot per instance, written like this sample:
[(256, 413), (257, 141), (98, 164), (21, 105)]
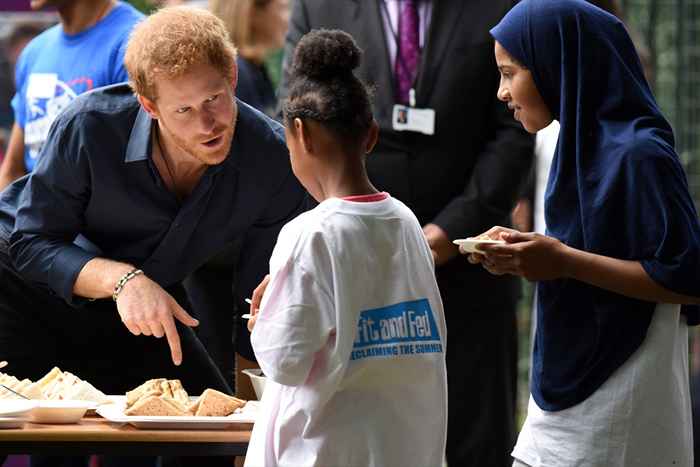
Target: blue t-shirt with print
[(55, 67)]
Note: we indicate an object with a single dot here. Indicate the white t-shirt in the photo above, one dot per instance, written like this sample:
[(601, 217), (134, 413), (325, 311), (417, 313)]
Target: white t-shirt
[(640, 417), (545, 144), (351, 336)]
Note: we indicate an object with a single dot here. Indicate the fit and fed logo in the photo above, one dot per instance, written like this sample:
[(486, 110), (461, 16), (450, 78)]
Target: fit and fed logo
[(402, 329)]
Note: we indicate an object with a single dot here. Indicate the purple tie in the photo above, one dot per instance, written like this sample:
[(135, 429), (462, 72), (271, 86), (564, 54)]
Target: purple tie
[(408, 51)]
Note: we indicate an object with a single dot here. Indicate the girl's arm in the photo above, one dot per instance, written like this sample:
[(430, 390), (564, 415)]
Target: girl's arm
[(621, 276), (292, 325), (537, 257)]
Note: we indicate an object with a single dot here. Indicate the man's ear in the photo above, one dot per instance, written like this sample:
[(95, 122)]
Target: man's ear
[(302, 131), (148, 105)]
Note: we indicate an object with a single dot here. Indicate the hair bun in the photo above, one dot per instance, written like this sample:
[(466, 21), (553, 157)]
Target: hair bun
[(324, 54)]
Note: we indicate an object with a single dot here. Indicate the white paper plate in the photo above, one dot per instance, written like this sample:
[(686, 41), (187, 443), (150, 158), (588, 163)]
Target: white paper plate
[(59, 411), (469, 244), (115, 413), (16, 407), (12, 422)]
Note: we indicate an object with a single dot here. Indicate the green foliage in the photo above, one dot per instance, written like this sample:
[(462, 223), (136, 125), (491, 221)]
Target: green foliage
[(273, 65), (144, 6)]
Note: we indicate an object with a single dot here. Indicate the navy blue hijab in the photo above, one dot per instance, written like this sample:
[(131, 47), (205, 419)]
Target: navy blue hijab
[(616, 188)]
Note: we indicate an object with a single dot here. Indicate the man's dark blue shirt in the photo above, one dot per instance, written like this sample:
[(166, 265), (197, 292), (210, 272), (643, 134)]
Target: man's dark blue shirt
[(97, 193)]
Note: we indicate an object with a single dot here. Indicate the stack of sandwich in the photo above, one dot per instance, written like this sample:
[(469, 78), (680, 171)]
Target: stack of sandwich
[(55, 385), (25, 387), (161, 397)]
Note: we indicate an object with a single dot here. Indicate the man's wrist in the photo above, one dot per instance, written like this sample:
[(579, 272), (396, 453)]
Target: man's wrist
[(123, 280)]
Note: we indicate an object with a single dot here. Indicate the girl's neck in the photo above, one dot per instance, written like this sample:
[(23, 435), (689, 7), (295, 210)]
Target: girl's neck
[(339, 180)]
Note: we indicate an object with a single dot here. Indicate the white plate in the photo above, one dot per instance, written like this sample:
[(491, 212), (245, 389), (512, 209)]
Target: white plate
[(469, 244), (115, 413), (58, 411), (12, 422), (16, 407)]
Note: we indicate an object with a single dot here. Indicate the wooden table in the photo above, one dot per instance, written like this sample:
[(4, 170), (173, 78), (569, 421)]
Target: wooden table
[(95, 435)]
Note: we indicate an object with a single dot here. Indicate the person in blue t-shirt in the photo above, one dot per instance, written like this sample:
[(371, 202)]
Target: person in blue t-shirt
[(618, 268), (83, 52)]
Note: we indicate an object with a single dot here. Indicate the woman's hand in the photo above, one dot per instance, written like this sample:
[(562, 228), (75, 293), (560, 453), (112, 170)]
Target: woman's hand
[(255, 301), (494, 233), (539, 258), (531, 255)]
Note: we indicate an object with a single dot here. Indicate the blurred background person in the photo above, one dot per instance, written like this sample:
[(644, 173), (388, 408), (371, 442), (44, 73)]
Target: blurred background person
[(257, 28), (84, 51), (458, 174)]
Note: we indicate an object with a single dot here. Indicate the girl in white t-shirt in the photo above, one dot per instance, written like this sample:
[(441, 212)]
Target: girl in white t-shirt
[(351, 330)]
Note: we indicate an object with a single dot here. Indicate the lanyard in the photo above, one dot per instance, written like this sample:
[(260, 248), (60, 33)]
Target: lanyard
[(395, 36)]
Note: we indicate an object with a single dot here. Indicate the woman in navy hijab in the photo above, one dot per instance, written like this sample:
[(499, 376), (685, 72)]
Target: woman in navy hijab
[(622, 250)]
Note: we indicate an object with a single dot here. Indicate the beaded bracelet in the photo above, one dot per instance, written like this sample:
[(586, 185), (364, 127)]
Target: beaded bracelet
[(123, 280)]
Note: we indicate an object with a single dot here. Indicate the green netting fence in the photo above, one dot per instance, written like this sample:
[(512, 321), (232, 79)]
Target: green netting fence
[(670, 30)]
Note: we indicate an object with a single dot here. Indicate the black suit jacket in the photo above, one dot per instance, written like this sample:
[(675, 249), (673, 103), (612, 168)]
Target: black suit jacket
[(464, 178)]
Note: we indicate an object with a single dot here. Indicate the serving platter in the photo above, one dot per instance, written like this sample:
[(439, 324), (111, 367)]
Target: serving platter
[(114, 412)]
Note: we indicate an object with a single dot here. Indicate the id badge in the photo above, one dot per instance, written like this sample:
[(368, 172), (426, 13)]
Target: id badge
[(412, 119)]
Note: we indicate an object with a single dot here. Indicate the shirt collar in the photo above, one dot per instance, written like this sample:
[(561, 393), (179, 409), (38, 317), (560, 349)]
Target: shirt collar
[(140, 138)]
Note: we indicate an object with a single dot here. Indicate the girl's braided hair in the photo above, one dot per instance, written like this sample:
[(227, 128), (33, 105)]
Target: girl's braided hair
[(322, 85)]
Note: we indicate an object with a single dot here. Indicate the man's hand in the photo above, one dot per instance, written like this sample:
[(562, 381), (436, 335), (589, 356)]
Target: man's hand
[(440, 244), (255, 301), (145, 308), (522, 215)]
